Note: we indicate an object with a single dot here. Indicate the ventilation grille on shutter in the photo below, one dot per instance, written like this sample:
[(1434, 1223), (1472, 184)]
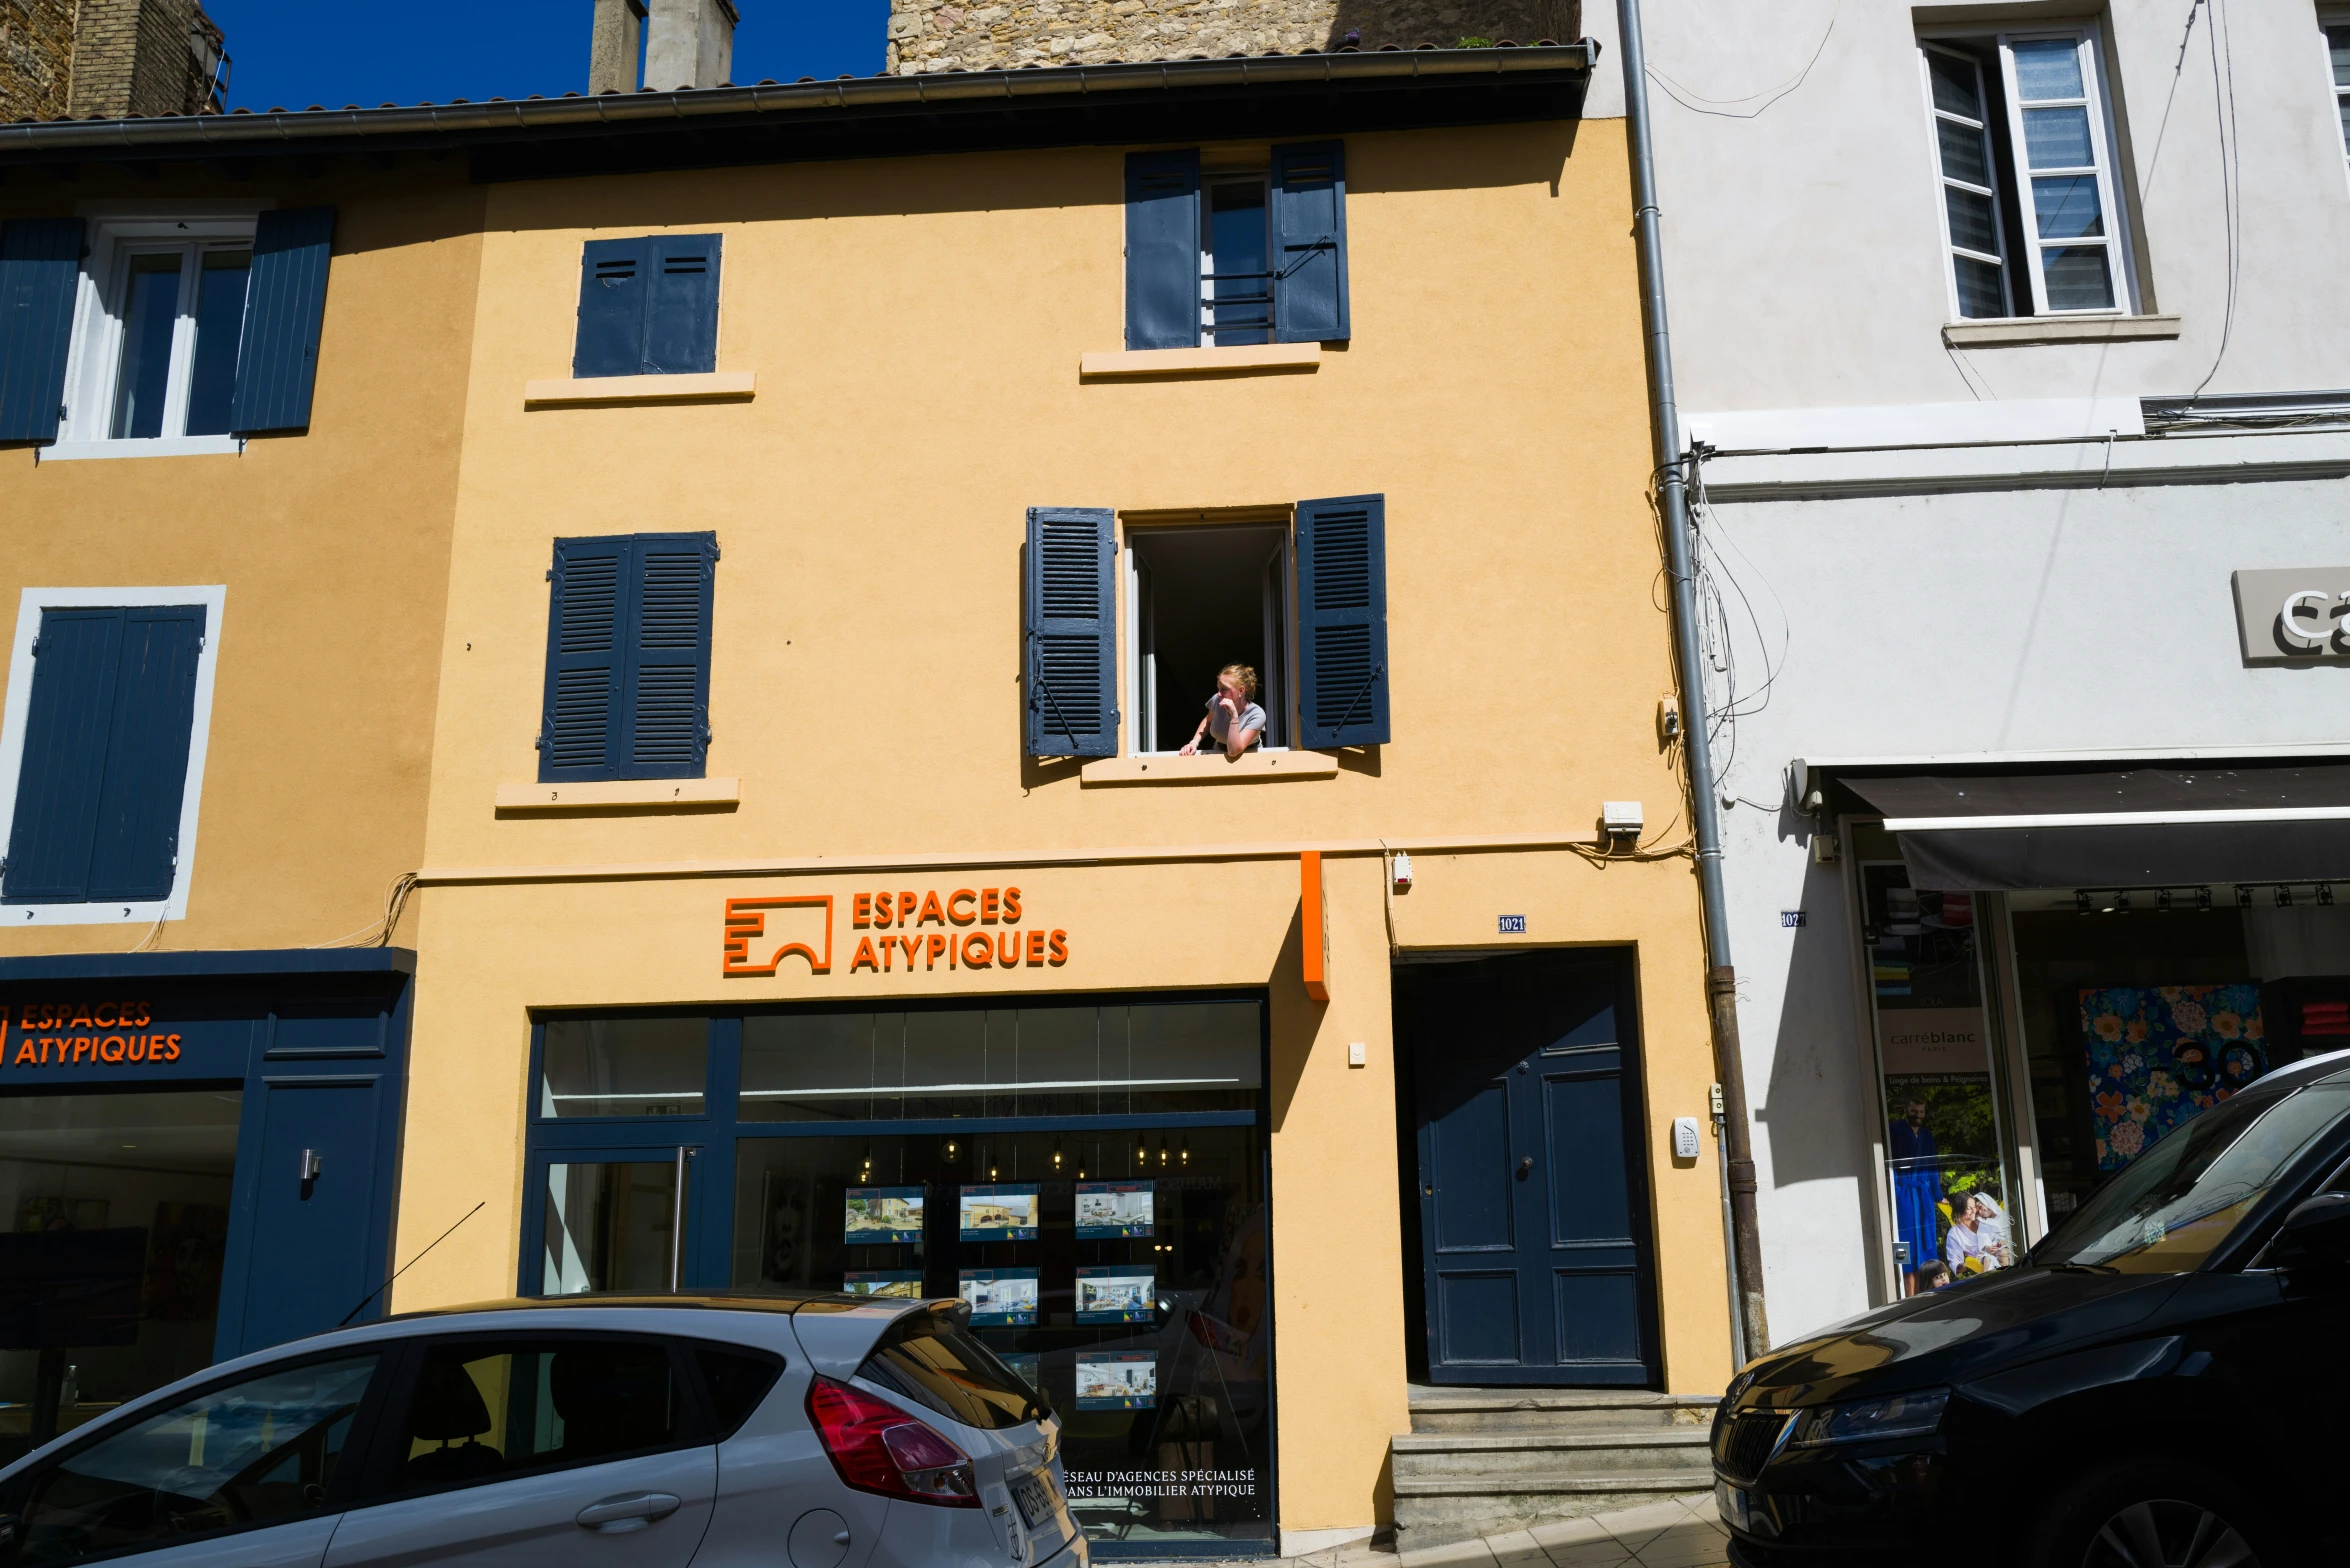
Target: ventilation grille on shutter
[(1342, 561), (591, 596), (616, 269), (1070, 668), (666, 732), (673, 265), (1071, 571), (1343, 657), (671, 615), (582, 718)]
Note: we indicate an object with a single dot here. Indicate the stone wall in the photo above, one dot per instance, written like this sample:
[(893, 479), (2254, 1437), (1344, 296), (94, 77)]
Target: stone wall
[(36, 58), (945, 35)]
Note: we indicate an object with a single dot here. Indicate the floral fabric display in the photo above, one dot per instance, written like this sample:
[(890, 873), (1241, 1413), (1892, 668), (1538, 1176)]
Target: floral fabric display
[(2159, 1056)]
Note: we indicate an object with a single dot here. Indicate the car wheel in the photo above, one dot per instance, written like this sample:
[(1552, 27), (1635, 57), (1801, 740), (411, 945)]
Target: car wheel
[(2148, 1516)]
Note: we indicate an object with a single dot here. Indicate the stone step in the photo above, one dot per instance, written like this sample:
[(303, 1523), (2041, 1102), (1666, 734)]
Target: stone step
[(1555, 1410), (1430, 1455), (1439, 1510)]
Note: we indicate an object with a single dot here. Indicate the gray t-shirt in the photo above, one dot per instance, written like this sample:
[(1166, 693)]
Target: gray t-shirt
[(1252, 717)]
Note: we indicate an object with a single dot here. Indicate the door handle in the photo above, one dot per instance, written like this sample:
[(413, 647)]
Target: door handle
[(1526, 1167), (618, 1515)]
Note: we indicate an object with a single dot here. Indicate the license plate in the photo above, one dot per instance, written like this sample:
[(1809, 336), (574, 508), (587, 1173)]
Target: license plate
[(1732, 1504), (1034, 1493)]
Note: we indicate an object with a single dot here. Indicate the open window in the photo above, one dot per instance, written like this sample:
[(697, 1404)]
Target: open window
[(1199, 598), (2025, 139)]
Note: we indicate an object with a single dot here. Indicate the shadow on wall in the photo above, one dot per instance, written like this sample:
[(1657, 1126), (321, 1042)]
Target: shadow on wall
[(1407, 24), (1809, 1106)]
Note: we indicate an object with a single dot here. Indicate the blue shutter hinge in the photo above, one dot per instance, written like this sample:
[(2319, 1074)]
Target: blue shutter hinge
[(550, 574)]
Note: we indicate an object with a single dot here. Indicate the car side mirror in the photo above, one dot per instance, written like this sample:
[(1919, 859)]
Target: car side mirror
[(2314, 1242)]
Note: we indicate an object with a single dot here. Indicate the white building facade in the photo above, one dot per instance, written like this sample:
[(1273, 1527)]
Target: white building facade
[(2012, 344)]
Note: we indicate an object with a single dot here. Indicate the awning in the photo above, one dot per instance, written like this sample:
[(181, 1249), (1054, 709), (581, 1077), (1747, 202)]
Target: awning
[(2117, 827)]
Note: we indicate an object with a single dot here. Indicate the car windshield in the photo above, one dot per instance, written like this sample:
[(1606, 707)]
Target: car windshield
[(2178, 1201)]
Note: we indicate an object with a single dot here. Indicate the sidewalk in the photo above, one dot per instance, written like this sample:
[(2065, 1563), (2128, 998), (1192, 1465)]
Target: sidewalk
[(1680, 1532)]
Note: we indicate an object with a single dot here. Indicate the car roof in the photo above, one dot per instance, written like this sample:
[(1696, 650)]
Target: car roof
[(784, 1302)]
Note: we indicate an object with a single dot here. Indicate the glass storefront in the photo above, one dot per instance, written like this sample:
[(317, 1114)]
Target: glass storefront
[(116, 1207), (1089, 1176), (2107, 1019)]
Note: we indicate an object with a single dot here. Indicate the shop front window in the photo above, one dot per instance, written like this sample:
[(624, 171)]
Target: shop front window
[(1948, 1181), (116, 1215), (1089, 1177)]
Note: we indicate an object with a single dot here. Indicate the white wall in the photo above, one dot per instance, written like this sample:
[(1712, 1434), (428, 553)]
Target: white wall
[(1803, 254)]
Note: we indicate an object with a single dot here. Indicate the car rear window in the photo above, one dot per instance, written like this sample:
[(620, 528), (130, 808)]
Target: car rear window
[(737, 1381), (933, 1360)]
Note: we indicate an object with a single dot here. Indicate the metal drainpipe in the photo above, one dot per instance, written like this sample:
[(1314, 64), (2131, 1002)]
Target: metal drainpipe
[(1721, 980)]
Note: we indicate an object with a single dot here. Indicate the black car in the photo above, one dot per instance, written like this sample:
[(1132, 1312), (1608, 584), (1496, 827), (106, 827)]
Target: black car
[(2162, 1383)]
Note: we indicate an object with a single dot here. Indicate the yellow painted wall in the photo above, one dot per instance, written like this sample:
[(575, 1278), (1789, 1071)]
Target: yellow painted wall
[(915, 326), (334, 548)]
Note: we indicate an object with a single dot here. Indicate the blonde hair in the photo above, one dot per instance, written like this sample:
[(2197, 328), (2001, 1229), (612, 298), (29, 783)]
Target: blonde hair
[(1248, 677)]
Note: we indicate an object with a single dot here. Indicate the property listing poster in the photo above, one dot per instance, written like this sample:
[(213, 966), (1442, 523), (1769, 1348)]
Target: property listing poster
[(905, 1283), (999, 1298), (1113, 1210), (1117, 1379), (1117, 1293), (880, 1215), (1000, 1212)]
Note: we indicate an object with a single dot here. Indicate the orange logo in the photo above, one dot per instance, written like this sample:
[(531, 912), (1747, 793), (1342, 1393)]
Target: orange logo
[(1025, 948), (744, 921)]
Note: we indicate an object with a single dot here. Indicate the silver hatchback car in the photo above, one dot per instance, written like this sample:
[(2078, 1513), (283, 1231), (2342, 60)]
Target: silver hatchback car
[(817, 1431)]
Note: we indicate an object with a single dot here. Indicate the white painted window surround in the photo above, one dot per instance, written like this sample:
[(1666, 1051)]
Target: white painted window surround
[(18, 700), (151, 277), (2035, 226), (2334, 35)]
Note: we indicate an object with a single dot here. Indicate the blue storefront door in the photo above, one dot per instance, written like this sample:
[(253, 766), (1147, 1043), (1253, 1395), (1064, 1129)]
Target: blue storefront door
[(314, 1188), (1535, 1253)]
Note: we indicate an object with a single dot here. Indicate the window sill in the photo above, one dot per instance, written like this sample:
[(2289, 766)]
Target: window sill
[(624, 795), (719, 386), (2058, 329), (157, 446), (1168, 767), (1130, 363)]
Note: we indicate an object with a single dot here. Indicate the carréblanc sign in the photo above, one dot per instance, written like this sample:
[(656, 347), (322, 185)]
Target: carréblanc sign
[(2294, 614)]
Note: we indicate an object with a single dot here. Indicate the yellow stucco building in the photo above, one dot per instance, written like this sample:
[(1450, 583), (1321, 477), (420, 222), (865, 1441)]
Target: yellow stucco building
[(757, 556)]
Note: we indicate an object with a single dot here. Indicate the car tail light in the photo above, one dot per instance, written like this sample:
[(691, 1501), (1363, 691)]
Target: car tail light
[(879, 1448)]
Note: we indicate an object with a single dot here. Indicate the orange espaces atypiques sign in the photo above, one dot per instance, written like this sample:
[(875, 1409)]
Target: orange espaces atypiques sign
[(902, 923), (73, 1034)]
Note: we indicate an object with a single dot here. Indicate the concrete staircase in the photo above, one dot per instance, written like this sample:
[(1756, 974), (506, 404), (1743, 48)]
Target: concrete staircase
[(1482, 1461)]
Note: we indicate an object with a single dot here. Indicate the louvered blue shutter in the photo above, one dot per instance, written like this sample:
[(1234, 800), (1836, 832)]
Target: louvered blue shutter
[(105, 766), (1069, 615), (285, 309), (40, 262), (613, 287), (579, 728), (665, 703), (138, 826), (1342, 621), (1162, 249), (681, 327), (1309, 242), (65, 733)]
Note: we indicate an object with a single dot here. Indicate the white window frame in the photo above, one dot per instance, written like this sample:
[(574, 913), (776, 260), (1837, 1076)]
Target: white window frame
[(2088, 50), (2337, 94), (1140, 702), (116, 232), (1936, 114), (19, 698)]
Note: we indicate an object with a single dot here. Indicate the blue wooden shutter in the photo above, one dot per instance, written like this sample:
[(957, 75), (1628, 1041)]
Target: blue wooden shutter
[(579, 728), (285, 307), (1070, 616), (1309, 242), (681, 325), (105, 765), (40, 261), (613, 286), (1162, 249), (1342, 621), (138, 828), (665, 704)]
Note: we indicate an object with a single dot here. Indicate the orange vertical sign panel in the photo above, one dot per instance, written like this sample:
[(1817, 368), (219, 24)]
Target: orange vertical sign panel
[(1314, 926)]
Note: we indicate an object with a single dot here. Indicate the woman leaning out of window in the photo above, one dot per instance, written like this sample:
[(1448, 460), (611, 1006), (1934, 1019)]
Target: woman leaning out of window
[(1233, 720)]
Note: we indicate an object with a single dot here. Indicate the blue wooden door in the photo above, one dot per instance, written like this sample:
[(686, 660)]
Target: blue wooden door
[(314, 1191), (1536, 1260)]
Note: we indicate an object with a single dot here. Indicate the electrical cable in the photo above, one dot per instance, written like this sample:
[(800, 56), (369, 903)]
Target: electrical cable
[(1694, 101), (378, 932), (2231, 177)]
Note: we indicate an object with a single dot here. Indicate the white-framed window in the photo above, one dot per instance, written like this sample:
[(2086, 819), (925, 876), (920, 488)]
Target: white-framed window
[(2031, 216), (1200, 597), (107, 717), (158, 323), (2337, 39)]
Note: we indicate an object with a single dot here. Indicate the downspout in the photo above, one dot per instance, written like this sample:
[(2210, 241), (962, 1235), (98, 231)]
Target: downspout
[(1721, 980)]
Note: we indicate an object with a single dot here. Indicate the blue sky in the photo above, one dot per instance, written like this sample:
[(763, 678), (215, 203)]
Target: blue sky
[(299, 52)]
